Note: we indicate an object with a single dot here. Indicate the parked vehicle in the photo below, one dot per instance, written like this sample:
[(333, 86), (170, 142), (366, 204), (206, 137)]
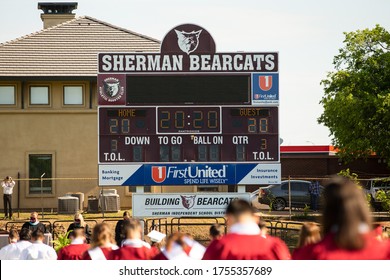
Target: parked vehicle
[(373, 186), (277, 197)]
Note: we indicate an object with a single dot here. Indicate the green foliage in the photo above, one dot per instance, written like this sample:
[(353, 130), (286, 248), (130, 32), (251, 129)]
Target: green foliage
[(271, 198), (357, 95), (306, 210), (384, 198), (61, 241), (347, 173), (354, 177)]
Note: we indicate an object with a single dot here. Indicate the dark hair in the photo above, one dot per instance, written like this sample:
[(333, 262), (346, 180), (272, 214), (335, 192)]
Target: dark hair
[(37, 234), (126, 213), (25, 234), (345, 211), (217, 230), (239, 207), (13, 233)]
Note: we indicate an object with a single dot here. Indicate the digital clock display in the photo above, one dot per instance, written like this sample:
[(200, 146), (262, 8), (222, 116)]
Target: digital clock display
[(189, 120)]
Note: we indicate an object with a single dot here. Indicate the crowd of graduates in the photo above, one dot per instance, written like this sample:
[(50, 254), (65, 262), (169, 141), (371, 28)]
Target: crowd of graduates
[(346, 232)]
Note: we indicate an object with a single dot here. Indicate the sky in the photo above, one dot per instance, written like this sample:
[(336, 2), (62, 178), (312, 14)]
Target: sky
[(306, 33)]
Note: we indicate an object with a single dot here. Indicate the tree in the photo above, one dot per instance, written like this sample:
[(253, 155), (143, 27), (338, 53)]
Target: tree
[(357, 95)]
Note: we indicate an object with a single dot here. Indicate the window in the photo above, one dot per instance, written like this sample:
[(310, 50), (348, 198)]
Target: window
[(147, 189), (39, 164), (73, 95), (7, 95), (39, 95)]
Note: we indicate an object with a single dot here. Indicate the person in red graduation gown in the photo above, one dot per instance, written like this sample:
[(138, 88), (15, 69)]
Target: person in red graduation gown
[(102, 244), (346, 227), (244, 240), (76, 248), (133, 248)]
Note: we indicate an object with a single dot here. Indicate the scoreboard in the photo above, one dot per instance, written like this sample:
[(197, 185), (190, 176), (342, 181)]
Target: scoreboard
[(188, 134), (182, 116)]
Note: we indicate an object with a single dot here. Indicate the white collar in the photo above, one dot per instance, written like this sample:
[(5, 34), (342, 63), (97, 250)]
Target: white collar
[(249, 228), (77, 241), (135, 243)]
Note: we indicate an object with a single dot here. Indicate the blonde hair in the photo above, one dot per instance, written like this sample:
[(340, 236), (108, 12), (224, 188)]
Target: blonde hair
[(101, 235), (79, 217), (309, 234)]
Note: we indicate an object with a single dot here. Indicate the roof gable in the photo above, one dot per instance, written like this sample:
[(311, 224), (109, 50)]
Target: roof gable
[(69, 49)]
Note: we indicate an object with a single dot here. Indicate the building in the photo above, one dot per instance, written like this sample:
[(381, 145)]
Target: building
[(48, 103), (320, 161)]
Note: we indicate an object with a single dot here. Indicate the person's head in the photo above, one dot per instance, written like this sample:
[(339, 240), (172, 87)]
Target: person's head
[(25, 234), (13, 236), (37, 235), (309, 234), (79, 220), (7, 179), (78, 233), (346, 213), (217, 231), (133, 229), (101, 236), (126, 215), (33, 217), (239, 211)]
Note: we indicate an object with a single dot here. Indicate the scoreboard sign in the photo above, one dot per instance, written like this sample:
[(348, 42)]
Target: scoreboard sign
[(188, 115)]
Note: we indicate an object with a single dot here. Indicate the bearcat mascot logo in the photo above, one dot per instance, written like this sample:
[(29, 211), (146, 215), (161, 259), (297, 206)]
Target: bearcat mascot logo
[(112, 90), (188, 201), (188, 41)]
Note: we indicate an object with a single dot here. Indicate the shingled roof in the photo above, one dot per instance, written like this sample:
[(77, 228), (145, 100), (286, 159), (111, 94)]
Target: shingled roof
[(69, 49)]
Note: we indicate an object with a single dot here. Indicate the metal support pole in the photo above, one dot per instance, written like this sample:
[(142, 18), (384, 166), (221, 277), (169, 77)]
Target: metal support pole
[(289, 195), (103, 202), (18, 194), (42, 194)]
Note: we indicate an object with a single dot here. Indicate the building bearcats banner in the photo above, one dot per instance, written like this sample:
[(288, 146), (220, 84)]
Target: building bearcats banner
[(183, 205)]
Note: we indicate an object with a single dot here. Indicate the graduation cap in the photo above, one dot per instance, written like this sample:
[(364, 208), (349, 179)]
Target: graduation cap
[(156, 236)]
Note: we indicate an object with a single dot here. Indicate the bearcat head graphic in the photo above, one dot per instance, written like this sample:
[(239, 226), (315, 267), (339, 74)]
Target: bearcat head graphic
[(188, 201), (188, 41)]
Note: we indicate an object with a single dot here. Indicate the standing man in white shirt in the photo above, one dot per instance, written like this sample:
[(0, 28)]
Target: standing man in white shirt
[(8, 186), (38, 250)]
